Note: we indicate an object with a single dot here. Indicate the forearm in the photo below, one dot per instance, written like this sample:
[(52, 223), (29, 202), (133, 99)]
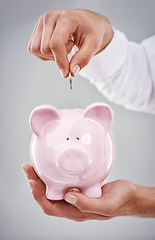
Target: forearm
[(144, 205)]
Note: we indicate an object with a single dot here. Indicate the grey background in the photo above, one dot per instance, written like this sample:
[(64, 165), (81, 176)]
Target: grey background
[(26, 82)]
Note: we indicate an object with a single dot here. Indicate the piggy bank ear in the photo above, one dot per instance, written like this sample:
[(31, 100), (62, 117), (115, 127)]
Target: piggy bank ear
[(41, 116), (100, 113)]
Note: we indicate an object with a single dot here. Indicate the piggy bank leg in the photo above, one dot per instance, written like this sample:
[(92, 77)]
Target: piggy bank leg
[(54, 193), (93, 191)]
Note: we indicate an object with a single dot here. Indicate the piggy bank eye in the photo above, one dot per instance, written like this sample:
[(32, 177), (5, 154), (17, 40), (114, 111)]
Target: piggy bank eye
[(67, 138), (78, 138)]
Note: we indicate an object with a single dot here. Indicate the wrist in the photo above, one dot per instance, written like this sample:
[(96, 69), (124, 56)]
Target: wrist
[(130, 196), (145, 201)]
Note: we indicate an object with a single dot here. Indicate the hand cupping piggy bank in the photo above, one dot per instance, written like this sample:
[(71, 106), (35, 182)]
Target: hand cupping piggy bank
[(72, 148)]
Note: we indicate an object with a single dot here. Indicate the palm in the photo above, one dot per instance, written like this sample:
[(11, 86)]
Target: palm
[(113, 197)]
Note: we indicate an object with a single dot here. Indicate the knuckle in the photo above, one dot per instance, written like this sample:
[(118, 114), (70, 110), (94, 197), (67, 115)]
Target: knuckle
[(52, 211), (44, 49), (35, 48), (54, 44), (60, 60), (67, 17), (40, 19), (65, 13), (46, 211), (47, 16), (85, 60)]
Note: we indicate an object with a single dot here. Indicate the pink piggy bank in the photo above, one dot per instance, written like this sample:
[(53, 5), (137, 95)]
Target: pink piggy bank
[(72, 148)]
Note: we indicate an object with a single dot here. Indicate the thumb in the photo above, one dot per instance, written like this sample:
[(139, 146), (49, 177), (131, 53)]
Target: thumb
[(82, 57), (84, 203)]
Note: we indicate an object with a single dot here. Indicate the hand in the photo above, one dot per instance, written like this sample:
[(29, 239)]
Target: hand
[(57, 32), (118, 199)]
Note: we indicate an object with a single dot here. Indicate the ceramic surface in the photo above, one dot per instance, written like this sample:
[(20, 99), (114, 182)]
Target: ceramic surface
[(72, 148)]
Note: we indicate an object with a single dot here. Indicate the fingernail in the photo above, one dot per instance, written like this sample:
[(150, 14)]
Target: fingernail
[(73, 190), (76, 69), (71, 199), (30, 185), (63, 73)]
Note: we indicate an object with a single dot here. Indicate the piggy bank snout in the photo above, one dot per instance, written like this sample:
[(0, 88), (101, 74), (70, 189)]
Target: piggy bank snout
[(73, 161)]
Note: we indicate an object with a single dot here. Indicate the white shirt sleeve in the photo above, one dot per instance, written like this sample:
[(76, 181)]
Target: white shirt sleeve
[(125, 72)]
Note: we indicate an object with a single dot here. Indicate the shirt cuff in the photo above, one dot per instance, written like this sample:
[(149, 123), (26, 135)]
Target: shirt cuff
[(109, 61)]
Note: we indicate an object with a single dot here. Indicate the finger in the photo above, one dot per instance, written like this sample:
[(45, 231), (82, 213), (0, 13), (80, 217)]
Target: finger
[(38, 190), (30, 173), (35, 43), (59, 41), (65, 210), (53, 208), (86, 204), (29, 45), (40, 197), (59, 208), (49, 22), (50, 57), (36, 40), (82, 57)]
